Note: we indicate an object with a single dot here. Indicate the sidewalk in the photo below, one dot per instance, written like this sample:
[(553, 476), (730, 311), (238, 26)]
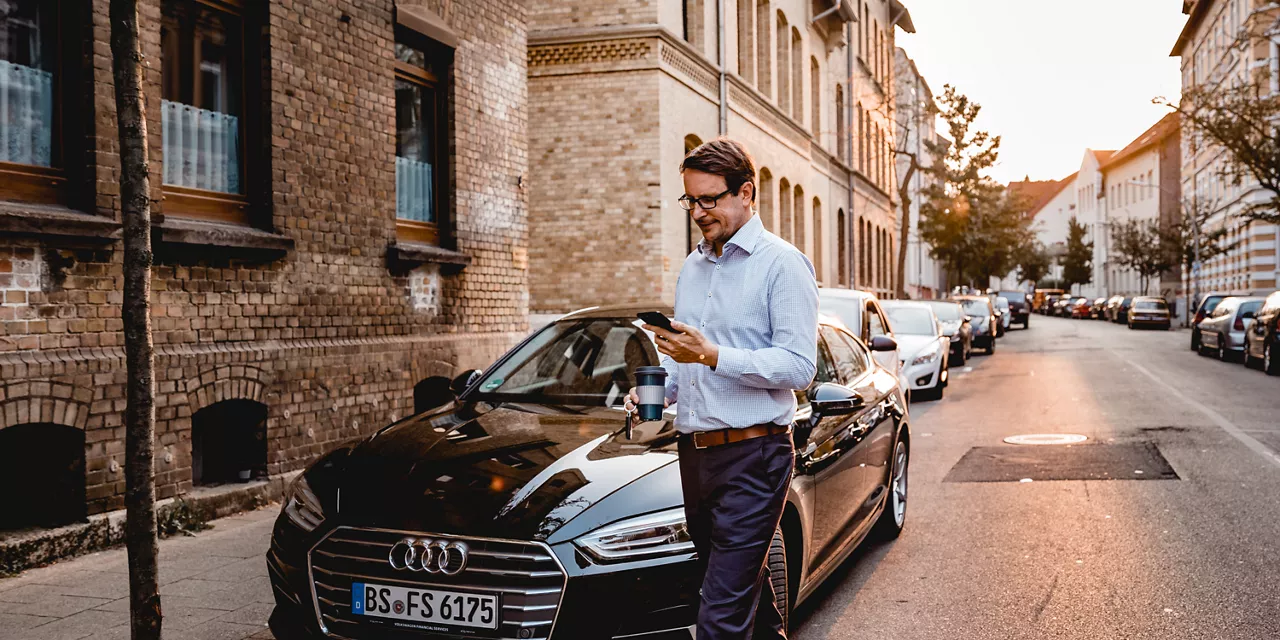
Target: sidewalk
[(213, 586)]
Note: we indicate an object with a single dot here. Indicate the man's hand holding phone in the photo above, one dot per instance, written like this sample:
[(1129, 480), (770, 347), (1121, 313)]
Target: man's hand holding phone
[(680, 341)]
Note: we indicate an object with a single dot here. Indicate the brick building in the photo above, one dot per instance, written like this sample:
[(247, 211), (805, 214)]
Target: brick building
[(338, 192), (619, 92)]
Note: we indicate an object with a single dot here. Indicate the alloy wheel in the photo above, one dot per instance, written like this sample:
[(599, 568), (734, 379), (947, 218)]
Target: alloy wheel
[(899, 495), (1222, 348)]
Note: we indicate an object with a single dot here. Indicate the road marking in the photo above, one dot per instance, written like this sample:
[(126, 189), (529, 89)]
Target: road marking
[(1217, 418)]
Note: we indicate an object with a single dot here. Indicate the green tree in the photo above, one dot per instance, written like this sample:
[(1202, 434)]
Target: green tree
[(1033, 261), (1142, 246), (1077, 261)]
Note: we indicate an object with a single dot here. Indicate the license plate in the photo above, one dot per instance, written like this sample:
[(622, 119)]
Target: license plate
[(427, 608)]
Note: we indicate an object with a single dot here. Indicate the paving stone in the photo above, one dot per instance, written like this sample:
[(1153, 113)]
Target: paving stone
[(30, 592), (256, 613), (239, 572), (215, 631), (95, 584), (194, 587), (185, 616), (12, 625), (57, 605), (80, 625)]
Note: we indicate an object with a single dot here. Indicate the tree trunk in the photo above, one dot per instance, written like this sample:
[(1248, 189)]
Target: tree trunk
[(906, 228), (139, 414)]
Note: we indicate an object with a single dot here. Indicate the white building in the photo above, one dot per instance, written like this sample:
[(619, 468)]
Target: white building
[(916, 126), (1210, 56)]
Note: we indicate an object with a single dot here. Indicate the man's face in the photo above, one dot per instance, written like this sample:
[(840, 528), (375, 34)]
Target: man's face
[(732, 210)]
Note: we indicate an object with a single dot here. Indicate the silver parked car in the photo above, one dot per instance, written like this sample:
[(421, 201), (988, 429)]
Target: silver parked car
[(1223, 332)]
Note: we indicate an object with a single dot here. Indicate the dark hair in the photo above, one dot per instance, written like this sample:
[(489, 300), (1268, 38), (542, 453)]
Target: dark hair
[(726, 158)]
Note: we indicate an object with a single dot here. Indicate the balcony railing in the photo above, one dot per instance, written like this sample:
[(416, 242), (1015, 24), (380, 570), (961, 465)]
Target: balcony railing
[(26, 114), (414, 191), (201, 148)]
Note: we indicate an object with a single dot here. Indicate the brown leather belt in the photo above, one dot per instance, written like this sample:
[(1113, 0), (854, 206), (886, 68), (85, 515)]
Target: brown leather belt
[(704, 439)]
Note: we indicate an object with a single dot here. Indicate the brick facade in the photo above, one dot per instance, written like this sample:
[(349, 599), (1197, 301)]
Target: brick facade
[(330, 334)]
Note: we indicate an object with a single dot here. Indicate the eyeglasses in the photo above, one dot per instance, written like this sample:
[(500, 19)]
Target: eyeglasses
[(706, 202)]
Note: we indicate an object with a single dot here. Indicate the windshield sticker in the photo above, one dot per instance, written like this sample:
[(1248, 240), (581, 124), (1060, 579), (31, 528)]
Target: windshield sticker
[(493, 384)]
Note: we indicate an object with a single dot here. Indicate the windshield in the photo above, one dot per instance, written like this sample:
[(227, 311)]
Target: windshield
[(1212, 303), (846, 309), (946, 311), (976, 307), (1013, 296), (580, 362), (1150, 305), (907, 320)]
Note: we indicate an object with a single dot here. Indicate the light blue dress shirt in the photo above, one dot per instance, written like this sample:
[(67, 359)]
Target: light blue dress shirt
[(759, 302)]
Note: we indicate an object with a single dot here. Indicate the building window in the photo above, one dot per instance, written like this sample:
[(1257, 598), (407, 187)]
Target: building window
[(764, 50), (229, 442), (692, 13), (784, 205), (784, 64), (764, 198), (42, 467), (203, 109), (798, 220), (29, 132), (842, 251), (818, 237), (815, 99), (797, 75), (746, 41), (422, 134), (841, 143)]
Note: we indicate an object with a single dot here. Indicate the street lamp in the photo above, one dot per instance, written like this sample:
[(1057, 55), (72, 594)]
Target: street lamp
[(1194, 276)]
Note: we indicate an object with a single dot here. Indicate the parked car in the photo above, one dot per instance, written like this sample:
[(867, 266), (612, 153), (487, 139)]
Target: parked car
[(1113, 303), (1003, 314), (1122, 310), (1050, 303), (1148, 311), (1207, 304), (1041, 299), (1081, 308), (982, 320), (1222, 333), (522, 499), (1262, 340), (922, 346), (957, 327), (1098, 309), (1020, 307), (1059, 305), (861, 314)]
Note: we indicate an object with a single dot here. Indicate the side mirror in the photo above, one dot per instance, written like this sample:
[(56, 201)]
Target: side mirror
[(464, 381), (883, 343), (831, 399), (431, 393)]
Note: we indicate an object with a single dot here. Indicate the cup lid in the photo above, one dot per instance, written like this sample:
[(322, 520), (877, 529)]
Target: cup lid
[(650, 371)]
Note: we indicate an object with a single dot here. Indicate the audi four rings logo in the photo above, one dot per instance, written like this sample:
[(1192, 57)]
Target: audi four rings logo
[(432, 556)]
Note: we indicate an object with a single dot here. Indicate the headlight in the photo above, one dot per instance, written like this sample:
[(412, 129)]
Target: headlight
[(302, 506), (928, 355), (657, 534)]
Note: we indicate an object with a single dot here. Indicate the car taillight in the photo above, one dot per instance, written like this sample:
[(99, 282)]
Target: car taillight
[(1239, 325)]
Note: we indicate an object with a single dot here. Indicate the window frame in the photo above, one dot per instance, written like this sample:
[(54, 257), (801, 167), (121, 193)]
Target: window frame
[(31, 183), (203, 204), (432, 233)]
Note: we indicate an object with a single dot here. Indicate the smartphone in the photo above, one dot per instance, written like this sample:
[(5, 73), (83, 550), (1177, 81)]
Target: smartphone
[(656, 319)]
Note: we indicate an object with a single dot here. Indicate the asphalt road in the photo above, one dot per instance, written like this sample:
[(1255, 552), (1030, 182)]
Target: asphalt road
[(1193, 557)]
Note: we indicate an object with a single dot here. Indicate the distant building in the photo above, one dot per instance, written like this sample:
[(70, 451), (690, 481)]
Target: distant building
[(1205, 46), (620, 91), (916, 119)]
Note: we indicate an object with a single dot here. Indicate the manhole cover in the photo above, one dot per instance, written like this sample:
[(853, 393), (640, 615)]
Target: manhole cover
[(1137, 461), (1046, 438)]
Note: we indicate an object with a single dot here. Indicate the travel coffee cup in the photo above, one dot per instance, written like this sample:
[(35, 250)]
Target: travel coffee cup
[(651, 386)]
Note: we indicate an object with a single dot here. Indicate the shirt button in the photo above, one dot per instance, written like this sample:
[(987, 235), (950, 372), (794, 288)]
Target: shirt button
[(708, 294)]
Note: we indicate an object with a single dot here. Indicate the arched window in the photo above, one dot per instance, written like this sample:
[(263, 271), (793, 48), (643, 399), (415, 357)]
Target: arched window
[(693, 19), (842, 253), (765, 198), (841, 143), (783, 39), (818, 237), (746, 41), (42, 473), (815, 99), (864, 255), (797, 75), (229, 442), (764, 49), (692, 233), (784, 208), (798, 219)]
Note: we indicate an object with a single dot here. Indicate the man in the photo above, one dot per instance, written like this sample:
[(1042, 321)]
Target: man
[(746, 323)]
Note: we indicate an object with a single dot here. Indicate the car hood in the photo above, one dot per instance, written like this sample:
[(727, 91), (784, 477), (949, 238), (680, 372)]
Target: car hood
[(505, 471), (911, 345)]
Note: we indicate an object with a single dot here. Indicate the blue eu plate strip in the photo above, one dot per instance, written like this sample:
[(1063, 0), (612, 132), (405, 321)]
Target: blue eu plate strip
[(357, 598)]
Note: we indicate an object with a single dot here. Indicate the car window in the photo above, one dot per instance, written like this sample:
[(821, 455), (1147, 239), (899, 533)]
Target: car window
[(1211, 303), (1014, 296), (875, 322), (848, 364), (1253, 306), (1222, 309), (861, 362), (1150, 305), (847, 310), (912, 321), (976, 307), (826, 365)]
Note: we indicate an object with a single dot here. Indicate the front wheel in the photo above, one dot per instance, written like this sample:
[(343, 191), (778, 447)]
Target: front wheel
[(778, 576), (894, 516)]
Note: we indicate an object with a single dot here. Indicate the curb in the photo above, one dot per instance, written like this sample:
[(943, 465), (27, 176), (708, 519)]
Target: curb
[(34, 548)]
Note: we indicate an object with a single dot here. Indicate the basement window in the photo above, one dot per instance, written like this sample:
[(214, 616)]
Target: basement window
[(229, 442), (42, 472)]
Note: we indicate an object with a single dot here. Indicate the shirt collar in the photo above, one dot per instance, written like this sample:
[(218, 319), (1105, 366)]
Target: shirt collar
[(745, 238)]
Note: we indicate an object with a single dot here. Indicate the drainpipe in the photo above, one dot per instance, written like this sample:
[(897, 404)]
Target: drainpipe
[(724, 92), (850, 262), (835, 6)]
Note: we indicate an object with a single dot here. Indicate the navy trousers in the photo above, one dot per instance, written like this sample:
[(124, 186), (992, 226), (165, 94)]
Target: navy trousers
[(733, 499)]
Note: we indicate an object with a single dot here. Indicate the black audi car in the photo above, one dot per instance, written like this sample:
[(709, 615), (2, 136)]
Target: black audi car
[(520, 509)]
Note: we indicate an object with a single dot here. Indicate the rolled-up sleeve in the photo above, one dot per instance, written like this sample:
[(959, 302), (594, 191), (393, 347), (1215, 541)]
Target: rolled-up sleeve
[(789, 362)]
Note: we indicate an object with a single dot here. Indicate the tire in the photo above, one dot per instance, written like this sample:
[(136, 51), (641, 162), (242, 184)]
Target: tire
[(778, 576), (1131, 326), (1222, 349), (991, 347), (892, 518), (1270, 363), (1195, 340), (958, 356)]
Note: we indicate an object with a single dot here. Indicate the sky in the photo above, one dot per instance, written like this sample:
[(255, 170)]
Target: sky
[(1053, 77)]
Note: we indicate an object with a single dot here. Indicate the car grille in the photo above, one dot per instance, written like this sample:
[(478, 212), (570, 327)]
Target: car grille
[(527, 575)]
